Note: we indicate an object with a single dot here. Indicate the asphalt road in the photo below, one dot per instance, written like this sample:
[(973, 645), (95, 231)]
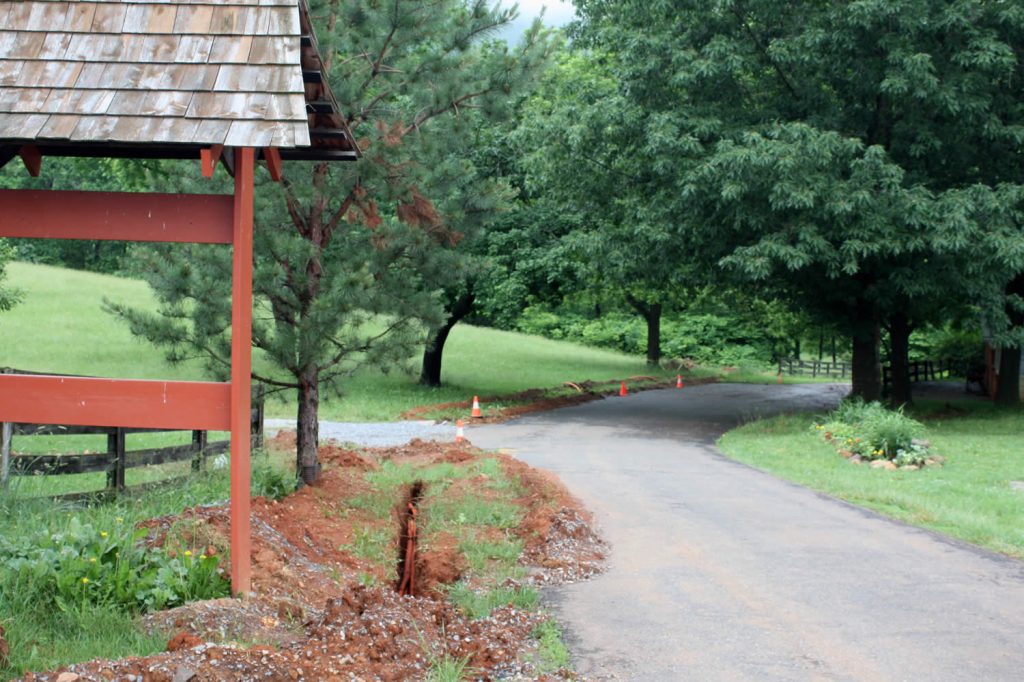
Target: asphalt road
[(721, 572)]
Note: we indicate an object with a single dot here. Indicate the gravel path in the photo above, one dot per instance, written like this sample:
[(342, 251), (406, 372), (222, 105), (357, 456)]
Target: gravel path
[(721, 572), (380, 435)]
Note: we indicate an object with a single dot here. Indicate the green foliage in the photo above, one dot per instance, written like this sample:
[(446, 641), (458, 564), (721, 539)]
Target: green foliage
[(873, 431), (448, 668), (553, 653), (479, 604), (717, 339), (822, 151), (272, 482), (371, 544), (81, 566), (961, 345), (45, 639), (483, 555), (470, 510)]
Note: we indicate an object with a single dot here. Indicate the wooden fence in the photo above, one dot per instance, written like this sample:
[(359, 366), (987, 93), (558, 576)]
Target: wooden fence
[(117, 458), (924, 370), (814, 368)]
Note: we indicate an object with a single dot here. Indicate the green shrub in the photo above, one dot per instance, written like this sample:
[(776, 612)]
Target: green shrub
[(873, 431), (82, 566), (704, 337), (272, 483)]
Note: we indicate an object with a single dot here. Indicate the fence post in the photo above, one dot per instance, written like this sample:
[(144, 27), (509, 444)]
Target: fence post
[(116, 448), (5, 455), (199, 448)]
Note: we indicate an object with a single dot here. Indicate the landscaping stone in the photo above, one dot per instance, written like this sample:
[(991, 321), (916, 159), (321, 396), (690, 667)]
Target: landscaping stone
[(857, 459), (1017, 485), (878, 463), (67, 677), (910, 467)]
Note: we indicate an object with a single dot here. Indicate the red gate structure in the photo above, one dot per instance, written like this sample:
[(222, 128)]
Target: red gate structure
[(219, 83)]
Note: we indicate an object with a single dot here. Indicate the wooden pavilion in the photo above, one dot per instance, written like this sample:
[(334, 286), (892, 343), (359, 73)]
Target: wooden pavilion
[(231, 82)]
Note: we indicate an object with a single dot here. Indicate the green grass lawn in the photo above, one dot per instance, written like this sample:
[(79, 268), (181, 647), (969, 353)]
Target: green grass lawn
[(61, 327), (970, 497)]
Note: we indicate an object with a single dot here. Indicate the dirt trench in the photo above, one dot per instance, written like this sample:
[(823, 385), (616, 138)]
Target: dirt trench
[(323, 610)]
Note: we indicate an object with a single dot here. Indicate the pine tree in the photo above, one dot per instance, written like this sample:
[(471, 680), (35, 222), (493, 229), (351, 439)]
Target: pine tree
[(350, 256)]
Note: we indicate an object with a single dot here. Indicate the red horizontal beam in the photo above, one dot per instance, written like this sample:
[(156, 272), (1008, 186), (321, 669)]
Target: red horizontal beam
[(53, 214), (78, 401)]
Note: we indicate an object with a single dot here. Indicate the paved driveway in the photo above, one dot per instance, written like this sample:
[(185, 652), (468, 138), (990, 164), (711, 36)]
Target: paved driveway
[(721, 572)]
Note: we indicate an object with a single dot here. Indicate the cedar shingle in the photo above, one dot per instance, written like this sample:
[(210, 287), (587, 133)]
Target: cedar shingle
[(168, 71)]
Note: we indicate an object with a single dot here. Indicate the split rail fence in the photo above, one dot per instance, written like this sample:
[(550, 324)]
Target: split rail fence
[(117, 458), (919, 370), (814, 368)]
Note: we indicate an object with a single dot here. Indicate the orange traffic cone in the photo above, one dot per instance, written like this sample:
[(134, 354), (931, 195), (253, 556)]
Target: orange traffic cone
[(679, 381), (476, 414), (622, 389), (460, 435)]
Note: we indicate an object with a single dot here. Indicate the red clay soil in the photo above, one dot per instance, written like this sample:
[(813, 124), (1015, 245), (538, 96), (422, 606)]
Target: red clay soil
[(310, 617), (536, 400)]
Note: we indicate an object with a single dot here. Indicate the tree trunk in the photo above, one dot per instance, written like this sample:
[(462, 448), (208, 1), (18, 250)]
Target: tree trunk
[(430, 372), (654, 335), (307, 463), (651, 312), (899, 357), (1008, 390), (866, 365)]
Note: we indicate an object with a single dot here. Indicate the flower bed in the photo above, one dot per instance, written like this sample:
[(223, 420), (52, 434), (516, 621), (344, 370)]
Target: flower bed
[(870, 432)]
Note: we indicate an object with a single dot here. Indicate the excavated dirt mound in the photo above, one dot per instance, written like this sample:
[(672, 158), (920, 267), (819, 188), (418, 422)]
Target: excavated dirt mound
[(320, 612)]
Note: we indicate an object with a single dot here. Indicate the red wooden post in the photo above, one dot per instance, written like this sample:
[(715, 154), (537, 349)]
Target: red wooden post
[(241, 370)]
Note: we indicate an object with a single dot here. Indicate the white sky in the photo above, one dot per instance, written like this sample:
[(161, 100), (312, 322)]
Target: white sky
[(559, 13)]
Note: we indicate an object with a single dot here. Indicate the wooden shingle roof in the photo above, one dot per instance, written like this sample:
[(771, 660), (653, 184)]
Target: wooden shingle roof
[(159, 72)]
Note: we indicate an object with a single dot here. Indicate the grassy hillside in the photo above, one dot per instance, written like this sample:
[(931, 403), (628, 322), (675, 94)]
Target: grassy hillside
[(61, 327)]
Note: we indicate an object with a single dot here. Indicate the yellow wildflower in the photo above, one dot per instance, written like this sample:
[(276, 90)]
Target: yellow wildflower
[(202, 557), (188, 553), (92, 560), (103, 533), (119, 519), (85, 580)]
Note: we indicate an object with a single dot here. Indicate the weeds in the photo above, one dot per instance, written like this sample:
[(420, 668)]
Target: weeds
[(370, 544), (472, 511), (447, 668), (479, 604), (551, 650), (482, 554)]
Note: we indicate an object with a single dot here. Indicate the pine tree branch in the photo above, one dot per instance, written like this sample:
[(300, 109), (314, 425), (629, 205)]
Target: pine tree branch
[(366, 346), (273, 382), (294, 207)]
